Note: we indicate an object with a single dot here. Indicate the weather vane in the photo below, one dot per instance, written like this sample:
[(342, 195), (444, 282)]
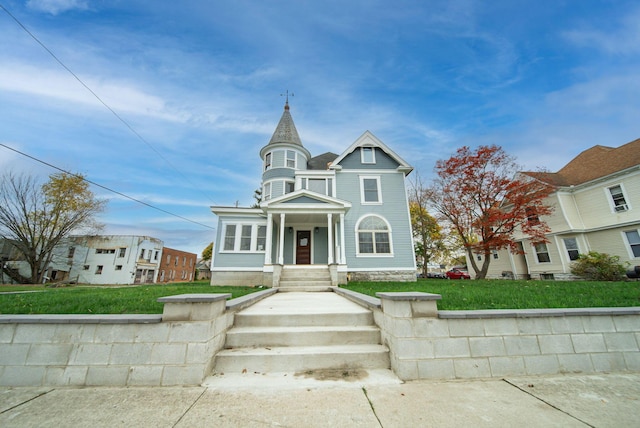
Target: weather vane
[(286, 94)]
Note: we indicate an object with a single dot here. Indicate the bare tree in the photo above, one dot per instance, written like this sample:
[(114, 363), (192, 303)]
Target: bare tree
[(34, 218)]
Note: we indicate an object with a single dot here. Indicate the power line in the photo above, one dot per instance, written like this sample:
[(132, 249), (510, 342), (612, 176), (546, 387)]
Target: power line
[(120, 118), (106, 188)]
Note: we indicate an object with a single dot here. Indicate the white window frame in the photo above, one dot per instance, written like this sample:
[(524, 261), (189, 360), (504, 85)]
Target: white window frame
[(537, 253), (567, 249), (612, 200), (289, 183), (286, 159), (357, 238), (266, 191), (629, 244), (378, 186), (363, 157), (268, 161), (237, 237)]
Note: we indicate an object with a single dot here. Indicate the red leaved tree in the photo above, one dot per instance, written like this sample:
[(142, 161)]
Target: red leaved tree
[(487, 201)]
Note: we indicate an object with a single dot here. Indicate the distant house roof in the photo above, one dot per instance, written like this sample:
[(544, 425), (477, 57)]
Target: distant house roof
[(321, 162), (596, 162)]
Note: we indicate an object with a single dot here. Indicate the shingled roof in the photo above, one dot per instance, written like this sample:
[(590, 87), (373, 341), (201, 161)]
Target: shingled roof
[(596, 162), (286, 131)]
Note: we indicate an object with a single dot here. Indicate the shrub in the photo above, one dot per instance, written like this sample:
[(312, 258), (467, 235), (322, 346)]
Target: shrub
[(598, 267)]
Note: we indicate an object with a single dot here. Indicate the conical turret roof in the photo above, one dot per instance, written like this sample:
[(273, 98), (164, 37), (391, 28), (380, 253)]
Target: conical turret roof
[(286, 131)]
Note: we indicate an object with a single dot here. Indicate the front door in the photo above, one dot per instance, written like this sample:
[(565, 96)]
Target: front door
[(303, 247)]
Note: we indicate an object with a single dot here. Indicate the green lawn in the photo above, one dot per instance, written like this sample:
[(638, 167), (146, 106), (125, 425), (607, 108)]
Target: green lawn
[(507, 294), (102, 299), (456, 295)]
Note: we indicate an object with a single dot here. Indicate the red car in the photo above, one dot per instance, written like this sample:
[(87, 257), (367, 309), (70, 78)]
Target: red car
[(457, 274)]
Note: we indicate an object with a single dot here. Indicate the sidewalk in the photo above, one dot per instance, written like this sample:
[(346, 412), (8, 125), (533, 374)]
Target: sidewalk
[(606, 400)]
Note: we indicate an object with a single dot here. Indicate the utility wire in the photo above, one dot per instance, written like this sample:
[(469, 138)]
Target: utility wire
[(120, 118), (106, 188)]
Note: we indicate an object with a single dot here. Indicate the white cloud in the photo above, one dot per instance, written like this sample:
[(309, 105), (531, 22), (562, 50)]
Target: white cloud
[(122, 97), (623, 39), (54, 7)]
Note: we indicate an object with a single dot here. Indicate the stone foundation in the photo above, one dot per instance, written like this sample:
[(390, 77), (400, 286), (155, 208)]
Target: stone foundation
[(382, 276), (240, 278)]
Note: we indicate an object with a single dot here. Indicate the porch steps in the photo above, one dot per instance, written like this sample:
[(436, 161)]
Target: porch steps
[(302, 333), (305, 278)]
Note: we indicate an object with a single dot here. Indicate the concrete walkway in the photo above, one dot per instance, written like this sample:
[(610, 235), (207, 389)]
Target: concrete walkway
[(607, 400)]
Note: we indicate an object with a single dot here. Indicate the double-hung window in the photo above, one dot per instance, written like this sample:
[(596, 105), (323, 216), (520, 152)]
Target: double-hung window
[(571, 244), (266, 192), (542, 252), (267, 161), (618, 199), (291, 159), (374, 236), (245, 238), (633, 238), (229, 237), (370, 190)]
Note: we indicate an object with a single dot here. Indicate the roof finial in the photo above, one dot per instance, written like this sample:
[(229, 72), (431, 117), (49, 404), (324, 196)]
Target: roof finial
[(286, 104)]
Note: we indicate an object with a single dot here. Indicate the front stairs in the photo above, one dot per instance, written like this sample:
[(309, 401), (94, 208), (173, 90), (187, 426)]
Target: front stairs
[(302, 333), (305, 278)]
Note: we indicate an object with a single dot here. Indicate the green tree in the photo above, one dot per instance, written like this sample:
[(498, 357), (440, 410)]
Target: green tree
[(207, 252), (598, 267), (427, 233), (35, 218)]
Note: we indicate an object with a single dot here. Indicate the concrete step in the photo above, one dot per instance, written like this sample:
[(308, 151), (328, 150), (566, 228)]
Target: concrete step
[(301, 320), (301, 358), (301, 336), (305, 288)]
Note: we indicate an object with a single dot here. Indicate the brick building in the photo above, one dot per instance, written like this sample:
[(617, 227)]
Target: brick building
[(176, 266)]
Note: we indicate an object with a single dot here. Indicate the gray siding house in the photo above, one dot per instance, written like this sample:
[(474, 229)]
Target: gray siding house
[(345, 213)]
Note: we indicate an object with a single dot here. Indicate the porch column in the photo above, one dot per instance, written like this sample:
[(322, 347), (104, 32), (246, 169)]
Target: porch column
[(343, 254), (269, 243), (330, 235), (281, 248)]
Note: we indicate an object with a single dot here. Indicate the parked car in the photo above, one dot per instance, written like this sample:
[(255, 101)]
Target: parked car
[(436, 275), (457, 274)]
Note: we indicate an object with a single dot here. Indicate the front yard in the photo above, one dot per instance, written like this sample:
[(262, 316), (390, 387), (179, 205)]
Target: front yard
[(456, 295)]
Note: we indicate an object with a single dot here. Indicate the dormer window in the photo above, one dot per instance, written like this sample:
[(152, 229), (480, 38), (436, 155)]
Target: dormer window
[(619, 201), (368, 155)]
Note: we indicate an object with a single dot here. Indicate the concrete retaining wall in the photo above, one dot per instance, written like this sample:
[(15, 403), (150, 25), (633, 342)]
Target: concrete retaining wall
[(429, 344), (175, 348)]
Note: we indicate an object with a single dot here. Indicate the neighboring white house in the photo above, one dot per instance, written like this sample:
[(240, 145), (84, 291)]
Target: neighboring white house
[(596, 208), (106, 259), (347, 212)]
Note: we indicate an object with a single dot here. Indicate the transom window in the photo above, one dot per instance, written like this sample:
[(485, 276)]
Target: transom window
[(244, 238), (633, 238), (368, 155), (619, 202), (374, 236), (370, 190), (571, 244), (542, 252)]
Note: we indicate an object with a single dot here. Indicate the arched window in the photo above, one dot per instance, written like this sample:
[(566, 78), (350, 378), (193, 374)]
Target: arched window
[(373, 235)]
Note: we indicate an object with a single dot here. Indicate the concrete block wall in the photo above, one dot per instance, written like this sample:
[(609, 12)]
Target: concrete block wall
[(427, 344), (175, 348)]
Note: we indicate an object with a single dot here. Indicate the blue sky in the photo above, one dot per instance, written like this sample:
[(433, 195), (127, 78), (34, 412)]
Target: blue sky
[(200, 81)]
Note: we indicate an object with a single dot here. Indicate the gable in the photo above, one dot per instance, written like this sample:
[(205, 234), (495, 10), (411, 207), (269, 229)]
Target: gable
[(304, 200), (384, 157)]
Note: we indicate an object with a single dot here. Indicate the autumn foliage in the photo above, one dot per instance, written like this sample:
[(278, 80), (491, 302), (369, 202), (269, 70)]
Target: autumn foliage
[(482, 194)]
